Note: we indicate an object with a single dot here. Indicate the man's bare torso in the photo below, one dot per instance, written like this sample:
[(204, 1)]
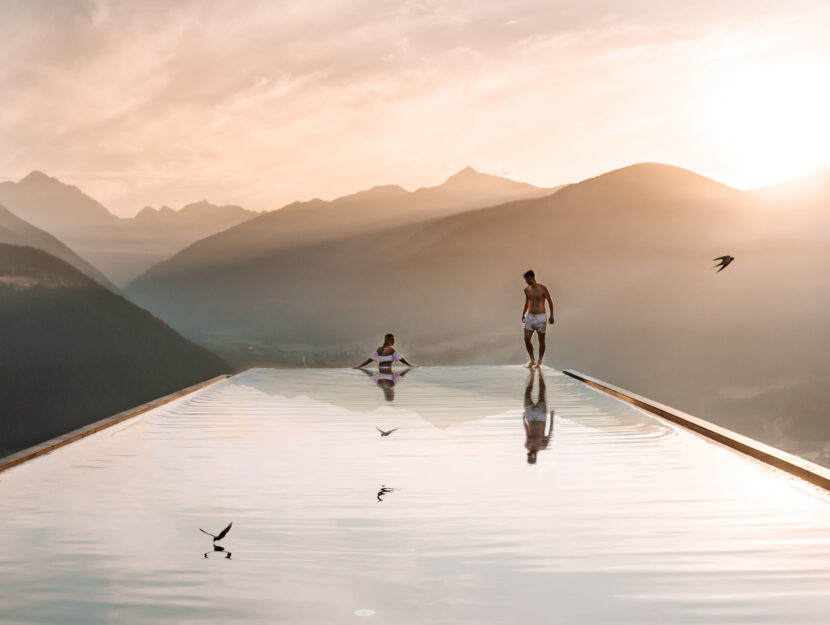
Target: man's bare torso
[(537, 436), (536, 297)]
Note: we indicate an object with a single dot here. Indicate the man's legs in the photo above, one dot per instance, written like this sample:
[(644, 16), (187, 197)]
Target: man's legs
[(529, 346), (529, 390), (541, 337)]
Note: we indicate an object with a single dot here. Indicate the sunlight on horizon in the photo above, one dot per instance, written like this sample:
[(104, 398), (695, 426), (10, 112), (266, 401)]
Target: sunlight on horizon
[(775, 121)]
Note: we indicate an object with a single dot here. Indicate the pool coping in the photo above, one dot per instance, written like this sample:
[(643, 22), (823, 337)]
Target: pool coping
[(19, 457), (790, 463)]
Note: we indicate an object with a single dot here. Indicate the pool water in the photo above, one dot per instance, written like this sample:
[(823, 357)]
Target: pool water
[(622, 518)]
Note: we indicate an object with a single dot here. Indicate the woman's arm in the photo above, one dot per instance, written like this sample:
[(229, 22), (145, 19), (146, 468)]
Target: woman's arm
[(407, 363), (374, 356)]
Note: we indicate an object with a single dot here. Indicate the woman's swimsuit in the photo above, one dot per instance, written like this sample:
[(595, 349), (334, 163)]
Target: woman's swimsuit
[(393, 357)]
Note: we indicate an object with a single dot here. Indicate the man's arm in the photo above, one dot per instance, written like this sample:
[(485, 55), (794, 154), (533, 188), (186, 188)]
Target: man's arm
[(526, 306), (550, 303)]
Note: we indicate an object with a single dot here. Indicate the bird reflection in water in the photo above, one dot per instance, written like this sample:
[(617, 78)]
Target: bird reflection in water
[(386, 379), (383, 491), (535, 418), (220, 549), (216, 538)]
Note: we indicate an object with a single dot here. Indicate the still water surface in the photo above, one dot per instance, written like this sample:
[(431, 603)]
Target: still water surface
[(622, 518)]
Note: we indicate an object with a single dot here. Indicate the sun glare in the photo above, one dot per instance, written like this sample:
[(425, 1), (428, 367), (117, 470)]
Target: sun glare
[(774, 123)]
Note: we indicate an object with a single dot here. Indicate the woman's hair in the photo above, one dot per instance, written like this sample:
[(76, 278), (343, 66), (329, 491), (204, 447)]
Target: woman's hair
[(388, 337)]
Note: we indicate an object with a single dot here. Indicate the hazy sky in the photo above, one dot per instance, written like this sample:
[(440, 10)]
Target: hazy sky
[(263, 103)]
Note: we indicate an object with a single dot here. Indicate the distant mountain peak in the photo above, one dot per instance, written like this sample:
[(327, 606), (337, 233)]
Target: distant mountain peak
[(379, 191), (464, 174), (37, 177), (146, 211), (205, 207), (655, 173), (392, 188), (49, 203), (37, 181)]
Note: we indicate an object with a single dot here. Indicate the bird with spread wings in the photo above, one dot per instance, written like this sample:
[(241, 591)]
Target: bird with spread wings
[(723, 262), (220, 535)]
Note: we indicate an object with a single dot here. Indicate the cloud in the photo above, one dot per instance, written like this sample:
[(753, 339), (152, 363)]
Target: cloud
[(262, 103)]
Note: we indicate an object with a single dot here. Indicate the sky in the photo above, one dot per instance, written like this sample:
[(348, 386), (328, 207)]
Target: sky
[(264, 103)]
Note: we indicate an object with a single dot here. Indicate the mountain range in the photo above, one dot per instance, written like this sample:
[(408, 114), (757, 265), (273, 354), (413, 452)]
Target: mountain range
[(301, 224), (393, 267), (121, 248)]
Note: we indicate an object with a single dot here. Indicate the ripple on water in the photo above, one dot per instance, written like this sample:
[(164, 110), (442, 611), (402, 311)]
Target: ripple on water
[(623, 518)]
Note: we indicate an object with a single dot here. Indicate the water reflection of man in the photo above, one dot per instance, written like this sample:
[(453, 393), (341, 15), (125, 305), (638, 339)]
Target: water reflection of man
[(535, 418), (386, 379)]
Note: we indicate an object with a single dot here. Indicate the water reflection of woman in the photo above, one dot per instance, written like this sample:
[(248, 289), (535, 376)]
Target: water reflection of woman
[(535, 418), (386, 380)]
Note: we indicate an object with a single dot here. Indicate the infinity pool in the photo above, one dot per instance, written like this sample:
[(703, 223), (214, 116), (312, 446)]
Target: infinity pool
[(622, 518)]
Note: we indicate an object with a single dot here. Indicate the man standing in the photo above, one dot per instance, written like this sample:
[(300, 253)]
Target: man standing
[(534, 316)]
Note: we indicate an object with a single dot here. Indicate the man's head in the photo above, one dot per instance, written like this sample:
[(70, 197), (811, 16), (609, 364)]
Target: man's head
[(530, 276), (389, 339), (531, 457)]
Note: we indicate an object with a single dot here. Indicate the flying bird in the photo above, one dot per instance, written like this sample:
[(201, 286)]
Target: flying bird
[(723, 262), (382, 433), (383, 491), (221, 534)]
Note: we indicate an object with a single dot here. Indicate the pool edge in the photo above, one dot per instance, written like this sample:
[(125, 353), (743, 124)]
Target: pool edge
[(790, 463), (24, 455)]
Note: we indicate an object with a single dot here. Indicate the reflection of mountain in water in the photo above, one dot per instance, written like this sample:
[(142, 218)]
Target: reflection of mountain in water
[(447, 396), (442, 396)]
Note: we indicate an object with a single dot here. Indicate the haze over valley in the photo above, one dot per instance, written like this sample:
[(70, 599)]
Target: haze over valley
[(122, 248)]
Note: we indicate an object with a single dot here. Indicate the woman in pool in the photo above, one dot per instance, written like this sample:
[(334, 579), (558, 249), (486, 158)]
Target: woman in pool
[(386, 354)]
